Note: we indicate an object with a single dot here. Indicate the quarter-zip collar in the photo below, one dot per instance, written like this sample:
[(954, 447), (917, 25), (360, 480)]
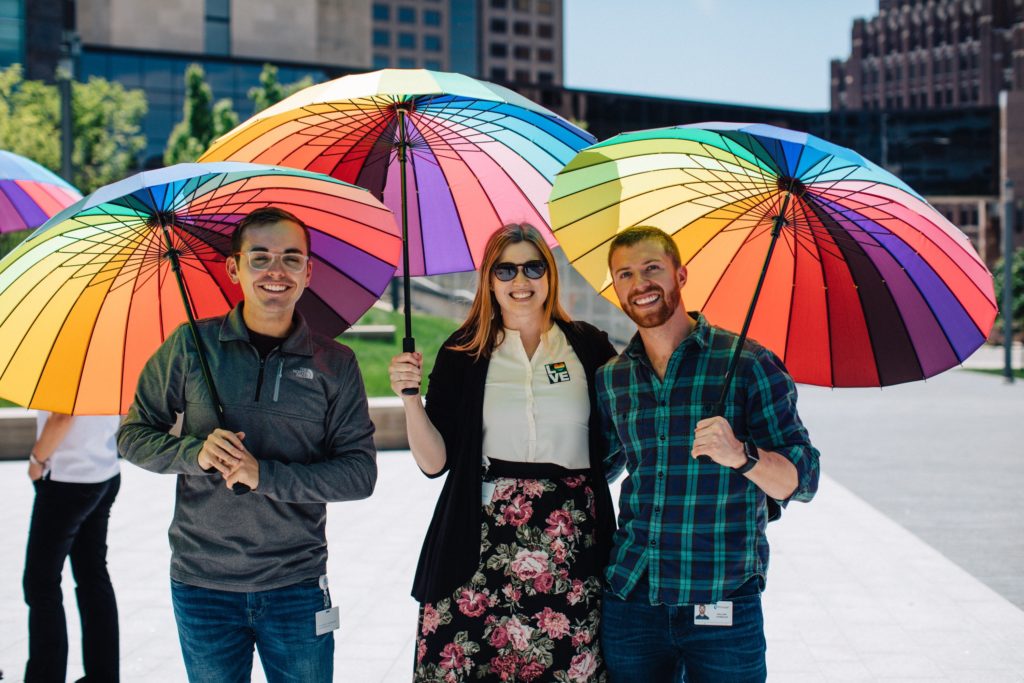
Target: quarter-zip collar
[(298, 342)]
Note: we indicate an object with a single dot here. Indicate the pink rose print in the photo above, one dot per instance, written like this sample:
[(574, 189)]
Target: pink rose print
[(512, 593), (517, 512), (574, 481), (582, 637), (533, 488), (453, 657), (504, 666), (518, 633), (529, 564), (503, 489), (555, 624), (531, 671), (560, 524), (472, 603), (431, 619), (499, 637), (575, 594), (544, 582), (558, 551), (583, 667), (421, 651)]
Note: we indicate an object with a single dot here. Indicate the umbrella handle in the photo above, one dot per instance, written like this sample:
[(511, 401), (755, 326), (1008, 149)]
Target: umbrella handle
[(408, 346)]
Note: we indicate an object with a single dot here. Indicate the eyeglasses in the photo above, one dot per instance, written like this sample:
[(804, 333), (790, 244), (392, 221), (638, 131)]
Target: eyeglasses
[(506, 271), (263, 260)]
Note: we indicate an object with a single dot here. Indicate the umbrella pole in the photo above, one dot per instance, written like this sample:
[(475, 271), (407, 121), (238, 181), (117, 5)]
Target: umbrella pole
[(408, 342), (777, 223), (173, 254)]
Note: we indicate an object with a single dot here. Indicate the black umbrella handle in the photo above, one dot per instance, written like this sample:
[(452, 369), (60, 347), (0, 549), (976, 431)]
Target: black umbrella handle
[(408, 342), (172, 254)]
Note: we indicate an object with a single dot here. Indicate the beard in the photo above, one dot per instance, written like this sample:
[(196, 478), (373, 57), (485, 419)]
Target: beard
[(654, 317)]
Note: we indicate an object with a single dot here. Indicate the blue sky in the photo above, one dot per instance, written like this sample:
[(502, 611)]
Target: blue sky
[(768, 52)]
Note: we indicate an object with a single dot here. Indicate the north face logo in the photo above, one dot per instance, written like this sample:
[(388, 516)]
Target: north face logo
[(303, 373)]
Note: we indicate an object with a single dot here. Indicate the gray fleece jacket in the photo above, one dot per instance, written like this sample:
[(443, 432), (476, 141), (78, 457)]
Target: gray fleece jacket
[(305, 418)]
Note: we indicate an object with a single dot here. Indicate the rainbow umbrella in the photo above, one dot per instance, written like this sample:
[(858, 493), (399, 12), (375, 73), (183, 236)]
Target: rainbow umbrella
[(30, 194), (837, 266), (471, 156), (89, 296)]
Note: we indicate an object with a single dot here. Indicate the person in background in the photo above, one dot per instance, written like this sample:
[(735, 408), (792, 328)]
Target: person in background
[(690, 558), (509, 575), (74, 469)]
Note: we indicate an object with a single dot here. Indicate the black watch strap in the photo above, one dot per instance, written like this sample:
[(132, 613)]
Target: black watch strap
[(752, 458)]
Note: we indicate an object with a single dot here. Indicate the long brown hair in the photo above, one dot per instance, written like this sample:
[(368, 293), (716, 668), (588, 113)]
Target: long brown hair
[(479, 334)]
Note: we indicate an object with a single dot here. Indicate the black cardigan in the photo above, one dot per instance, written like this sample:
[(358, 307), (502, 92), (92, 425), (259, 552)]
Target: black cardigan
[(455, 405)]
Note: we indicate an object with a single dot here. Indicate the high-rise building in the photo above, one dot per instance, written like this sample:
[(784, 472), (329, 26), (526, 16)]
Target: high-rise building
[(930, 54)]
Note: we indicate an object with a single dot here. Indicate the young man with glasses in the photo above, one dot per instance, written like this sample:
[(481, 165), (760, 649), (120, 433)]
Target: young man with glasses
[(251, 569), (689, 560)]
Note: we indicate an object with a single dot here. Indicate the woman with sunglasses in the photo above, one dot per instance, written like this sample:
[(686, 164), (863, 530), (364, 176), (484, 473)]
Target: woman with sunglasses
[(509, 578)]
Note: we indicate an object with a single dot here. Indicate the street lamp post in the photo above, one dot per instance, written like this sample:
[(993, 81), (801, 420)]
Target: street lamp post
[(70, 48)]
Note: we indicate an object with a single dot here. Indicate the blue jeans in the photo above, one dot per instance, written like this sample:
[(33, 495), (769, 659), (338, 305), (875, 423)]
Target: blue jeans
[(646, 643), (218, 629)]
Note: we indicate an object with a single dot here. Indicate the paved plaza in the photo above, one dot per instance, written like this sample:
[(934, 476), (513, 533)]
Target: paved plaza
[(862, 587)]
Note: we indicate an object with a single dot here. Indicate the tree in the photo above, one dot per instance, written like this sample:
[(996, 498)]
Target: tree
[(202, 122), (270, 91), (105, 126), (1017, 271)]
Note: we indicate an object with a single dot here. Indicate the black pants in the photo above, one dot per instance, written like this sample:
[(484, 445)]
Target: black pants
[(70, 520)]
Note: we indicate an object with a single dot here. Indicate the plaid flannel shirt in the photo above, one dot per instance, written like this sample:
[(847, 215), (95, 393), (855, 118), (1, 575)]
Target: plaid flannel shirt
[(696, 528)]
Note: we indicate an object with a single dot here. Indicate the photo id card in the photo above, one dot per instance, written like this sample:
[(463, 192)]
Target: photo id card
[(327, 620), (713, 614)]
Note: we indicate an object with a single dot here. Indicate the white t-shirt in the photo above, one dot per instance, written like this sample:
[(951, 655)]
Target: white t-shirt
[(88, 454), (537, 410)]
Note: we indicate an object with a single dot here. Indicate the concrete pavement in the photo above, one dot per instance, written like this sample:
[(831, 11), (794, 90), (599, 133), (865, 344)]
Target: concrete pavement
[(852, 595)]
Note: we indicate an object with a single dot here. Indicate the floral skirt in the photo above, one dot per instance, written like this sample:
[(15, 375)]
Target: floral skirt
[(532, 609)]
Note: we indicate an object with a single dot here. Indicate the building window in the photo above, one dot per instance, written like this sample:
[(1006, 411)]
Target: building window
[(499, 26), (407, 41), (499, 73), (218, 27), (545, 7), (407, 15), (499, 50), (381, 12), (522, 52), (431, 17), (522, 76), (406, 63), (521, 28), (12, 32), (381, 38), (545, 77), (432, 43), (432, 64), (546, 55), (523, 5), (381, 61), (499, 4), (545, 31)]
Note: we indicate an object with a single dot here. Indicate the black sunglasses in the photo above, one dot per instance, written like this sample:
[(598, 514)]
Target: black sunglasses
[(506, 271)]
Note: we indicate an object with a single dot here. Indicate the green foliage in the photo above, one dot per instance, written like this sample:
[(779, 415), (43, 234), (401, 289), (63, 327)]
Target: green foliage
[(270, 91), (106, 126), (375, 355), (202, 122), (1017, 271)]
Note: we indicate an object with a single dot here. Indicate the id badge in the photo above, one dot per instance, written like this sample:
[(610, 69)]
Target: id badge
[(713, 614), (486, 492), (328, 619)]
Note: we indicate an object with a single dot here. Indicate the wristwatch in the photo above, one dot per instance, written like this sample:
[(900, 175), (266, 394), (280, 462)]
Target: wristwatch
[(750, 450)]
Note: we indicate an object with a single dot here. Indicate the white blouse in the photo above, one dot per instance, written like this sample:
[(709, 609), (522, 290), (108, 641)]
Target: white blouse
[(537, 410)]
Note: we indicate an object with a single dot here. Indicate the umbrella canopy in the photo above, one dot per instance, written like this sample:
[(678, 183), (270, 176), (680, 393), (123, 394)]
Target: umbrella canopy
[(868, 286), (30, 194), (88, 297), (479, 156)]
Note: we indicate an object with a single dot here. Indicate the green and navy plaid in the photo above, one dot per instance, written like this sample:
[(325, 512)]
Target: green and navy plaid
[(696, 529)]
